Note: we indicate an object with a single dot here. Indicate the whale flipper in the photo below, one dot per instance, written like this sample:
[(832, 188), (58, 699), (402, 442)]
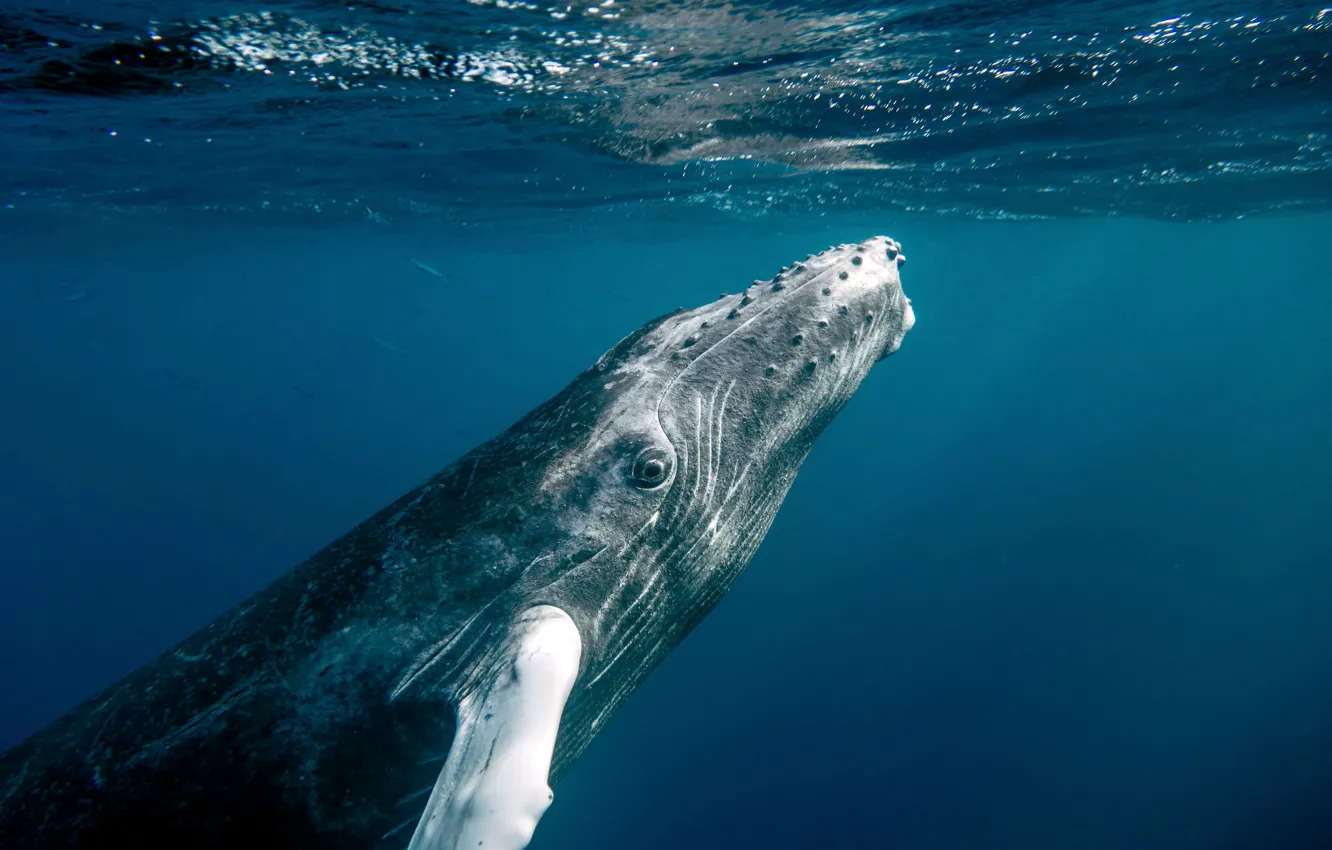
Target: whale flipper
[(493, 787)]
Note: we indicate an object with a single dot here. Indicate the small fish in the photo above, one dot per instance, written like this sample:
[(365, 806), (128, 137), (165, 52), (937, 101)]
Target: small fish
[(433, 272), (303, 392), (388, 346)]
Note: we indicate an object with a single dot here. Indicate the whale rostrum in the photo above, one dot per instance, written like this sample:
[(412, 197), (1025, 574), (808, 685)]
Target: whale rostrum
[(424, 679)]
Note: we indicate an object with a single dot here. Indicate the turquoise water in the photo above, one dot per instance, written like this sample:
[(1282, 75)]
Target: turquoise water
[(1058, 576)]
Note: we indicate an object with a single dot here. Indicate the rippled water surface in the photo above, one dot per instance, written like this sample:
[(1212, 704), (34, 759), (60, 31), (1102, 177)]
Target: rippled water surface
[(501, 108)]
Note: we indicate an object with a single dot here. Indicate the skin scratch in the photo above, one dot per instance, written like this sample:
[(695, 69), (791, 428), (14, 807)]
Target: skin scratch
[(217, 709), (471, 476), (16, 783)]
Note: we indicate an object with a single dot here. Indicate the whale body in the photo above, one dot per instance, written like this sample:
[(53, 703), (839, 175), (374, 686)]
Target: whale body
[(420, 682)]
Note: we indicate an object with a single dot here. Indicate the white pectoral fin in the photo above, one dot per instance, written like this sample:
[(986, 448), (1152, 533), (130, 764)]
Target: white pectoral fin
[(493, 788)]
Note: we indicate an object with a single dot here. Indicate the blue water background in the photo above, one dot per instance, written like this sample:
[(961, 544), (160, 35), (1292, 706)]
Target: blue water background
[(1058, 577)]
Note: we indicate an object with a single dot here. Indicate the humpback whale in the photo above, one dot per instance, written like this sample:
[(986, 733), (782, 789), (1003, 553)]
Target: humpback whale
[(423, 680)]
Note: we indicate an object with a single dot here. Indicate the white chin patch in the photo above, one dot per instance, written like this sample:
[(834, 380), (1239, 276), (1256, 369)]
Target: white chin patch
[(493, 788)]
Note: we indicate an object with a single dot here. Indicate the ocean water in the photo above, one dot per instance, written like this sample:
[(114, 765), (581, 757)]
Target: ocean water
[(1059, 576)]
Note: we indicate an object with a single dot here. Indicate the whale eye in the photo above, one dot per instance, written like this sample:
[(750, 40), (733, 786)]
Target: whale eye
[(651, 468)]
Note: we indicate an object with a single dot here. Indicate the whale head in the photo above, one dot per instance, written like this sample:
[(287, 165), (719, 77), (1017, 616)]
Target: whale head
[(684, 439), (633, 498)]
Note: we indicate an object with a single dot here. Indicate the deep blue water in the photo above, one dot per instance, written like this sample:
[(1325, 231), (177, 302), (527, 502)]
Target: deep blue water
[(1060, 576)]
